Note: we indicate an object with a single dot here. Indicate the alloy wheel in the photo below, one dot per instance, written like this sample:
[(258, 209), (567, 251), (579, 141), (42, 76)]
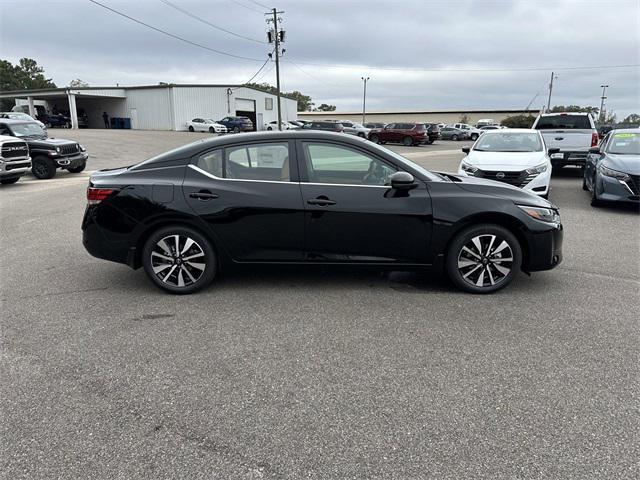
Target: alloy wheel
[(178, 260), (485, 260)]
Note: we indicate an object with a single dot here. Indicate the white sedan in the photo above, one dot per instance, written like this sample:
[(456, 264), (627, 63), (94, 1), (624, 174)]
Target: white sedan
[(205, 125), (516, 156), (285, 126)]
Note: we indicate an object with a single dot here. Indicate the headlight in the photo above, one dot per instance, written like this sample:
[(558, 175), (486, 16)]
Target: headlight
[(469, 168), (548, 215), (82, 149), (537, 170), (607, 172), (58, 149)]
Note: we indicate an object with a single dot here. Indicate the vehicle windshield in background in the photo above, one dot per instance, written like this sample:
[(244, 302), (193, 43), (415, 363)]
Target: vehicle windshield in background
[(564, 122), (509, 142), (625, 144), (27, 130)]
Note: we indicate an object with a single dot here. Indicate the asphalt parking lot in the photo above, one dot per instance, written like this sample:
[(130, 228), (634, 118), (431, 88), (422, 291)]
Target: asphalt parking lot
[(308, 374)]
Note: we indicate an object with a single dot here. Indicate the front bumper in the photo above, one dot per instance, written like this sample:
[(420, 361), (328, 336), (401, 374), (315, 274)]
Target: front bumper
[(613, 190), (72, 161), (15, 168), (539, 185), (544, 249)]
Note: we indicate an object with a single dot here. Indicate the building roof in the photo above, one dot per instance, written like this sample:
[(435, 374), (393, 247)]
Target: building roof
[(16, 93), (397, 112)]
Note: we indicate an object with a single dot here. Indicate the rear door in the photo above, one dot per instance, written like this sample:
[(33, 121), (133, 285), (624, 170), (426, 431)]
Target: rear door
[(571, 133), (352, 215), (248, 196)]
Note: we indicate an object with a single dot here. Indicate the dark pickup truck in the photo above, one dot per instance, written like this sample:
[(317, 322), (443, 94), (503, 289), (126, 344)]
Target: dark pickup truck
[(47, 154)]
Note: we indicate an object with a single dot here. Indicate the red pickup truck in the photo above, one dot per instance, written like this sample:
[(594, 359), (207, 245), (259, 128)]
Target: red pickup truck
[(406, 133)]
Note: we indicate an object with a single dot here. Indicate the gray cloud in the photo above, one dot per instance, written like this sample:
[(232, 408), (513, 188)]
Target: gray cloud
[(79, 39)]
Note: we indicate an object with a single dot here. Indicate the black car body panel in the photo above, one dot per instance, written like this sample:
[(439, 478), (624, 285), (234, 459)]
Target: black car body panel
[(279, 221)]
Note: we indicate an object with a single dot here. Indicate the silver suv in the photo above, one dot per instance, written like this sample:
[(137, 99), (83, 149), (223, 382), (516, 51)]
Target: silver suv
[(14, 159)]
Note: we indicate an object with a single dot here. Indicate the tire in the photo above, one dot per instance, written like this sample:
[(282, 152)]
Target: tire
[(374, 138), (236, 129), (9, 181), (478, 272), (595, 201), (430, 142), (43, 168), (407, 141), (191, 129), (454, 138), (79, 168), (584, 183), (269, 128), (361, 135), (211, 130), (182, 276), (474, 136)]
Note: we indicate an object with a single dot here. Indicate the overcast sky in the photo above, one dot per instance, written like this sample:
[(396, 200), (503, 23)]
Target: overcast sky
[(77, 39)]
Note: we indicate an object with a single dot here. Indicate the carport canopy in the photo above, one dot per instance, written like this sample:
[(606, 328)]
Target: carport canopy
[(65, 95)]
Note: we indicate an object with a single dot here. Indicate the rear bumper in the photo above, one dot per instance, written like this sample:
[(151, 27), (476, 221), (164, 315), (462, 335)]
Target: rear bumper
[(561, 159), (544, 250)]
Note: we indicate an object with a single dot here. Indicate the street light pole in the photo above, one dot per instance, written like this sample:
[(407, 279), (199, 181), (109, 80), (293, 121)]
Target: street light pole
[(553, 76), (364, 99), (602, 98)]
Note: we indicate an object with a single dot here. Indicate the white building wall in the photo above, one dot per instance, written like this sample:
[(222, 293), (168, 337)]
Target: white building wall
[(153, 105), (289, 106)]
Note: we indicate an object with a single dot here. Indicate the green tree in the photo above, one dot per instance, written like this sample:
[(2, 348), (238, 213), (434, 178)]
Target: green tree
[(26, 75), (518, 121), (464, 118), (633, 119), (575, 108), (77, 83), (326, 108), (304, 101)]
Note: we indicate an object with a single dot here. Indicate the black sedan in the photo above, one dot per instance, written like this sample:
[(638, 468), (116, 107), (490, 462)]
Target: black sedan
[(308, 197), (612, 170)]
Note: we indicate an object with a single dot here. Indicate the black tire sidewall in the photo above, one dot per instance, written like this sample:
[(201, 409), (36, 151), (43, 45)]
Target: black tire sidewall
[(191, 129), (451, 262), (211, 258), (454, 138), (49, 165), (407, 141), (374, 138)]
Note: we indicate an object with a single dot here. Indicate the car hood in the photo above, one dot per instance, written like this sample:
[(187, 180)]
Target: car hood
[(623, 163), (508, 161), (48, 142), (499, 189)]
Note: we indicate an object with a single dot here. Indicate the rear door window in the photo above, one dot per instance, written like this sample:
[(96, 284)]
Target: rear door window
[(564, 122)]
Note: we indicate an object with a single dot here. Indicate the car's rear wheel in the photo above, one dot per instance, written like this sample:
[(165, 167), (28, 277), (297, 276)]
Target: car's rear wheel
[(191, 129), (407, 141), (179, 259), (374, 138), (584, 183), (483, 258), (43, 168), (361, 134)]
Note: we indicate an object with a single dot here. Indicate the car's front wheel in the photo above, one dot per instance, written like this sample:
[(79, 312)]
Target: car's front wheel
[(407, 141), (236, 129), (474, 136), (191, 129), (179, 259), (595, 201), (454, 138), (43, 168), (483, 258), (374, 138)]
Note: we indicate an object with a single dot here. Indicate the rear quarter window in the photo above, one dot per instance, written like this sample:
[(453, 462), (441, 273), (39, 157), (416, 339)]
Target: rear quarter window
[(565, 122)]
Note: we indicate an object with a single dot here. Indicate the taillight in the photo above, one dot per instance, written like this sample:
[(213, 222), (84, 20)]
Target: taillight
[(594, 139), (97, 195)]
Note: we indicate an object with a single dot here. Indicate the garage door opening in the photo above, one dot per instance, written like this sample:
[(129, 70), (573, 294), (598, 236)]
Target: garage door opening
[(250, 115)]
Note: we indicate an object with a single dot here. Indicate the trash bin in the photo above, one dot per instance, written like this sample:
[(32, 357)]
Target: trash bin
[(112, 122), (125, 123)]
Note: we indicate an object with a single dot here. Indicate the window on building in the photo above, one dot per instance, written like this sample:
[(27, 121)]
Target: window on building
[(268, 103)]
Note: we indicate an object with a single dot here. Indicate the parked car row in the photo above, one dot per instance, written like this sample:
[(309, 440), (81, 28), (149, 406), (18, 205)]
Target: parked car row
[(44, 155), (525, 158)]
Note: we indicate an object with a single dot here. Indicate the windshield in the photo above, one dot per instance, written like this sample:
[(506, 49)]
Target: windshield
[(509, 142), (625, 144), (27, 130), (404, 161)]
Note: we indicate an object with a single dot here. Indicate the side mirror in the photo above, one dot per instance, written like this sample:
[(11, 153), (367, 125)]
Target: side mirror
[(553, 151), (594, 150), (402, 181), (466, 149)]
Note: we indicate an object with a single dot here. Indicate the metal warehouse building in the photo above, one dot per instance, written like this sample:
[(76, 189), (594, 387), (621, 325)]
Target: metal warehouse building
[(157, 107)]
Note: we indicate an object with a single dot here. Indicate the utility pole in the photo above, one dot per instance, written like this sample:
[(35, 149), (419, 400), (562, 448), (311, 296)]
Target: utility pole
[(602, 99), (553, 76), (277, 37), (364, 99)]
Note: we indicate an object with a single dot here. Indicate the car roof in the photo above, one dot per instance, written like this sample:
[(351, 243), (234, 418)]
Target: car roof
[(13, 121), (625, 130), (557, 114), (518, 130)]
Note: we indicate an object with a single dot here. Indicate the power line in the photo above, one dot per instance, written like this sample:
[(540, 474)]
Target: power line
[(425, 69), (255, 74), (247, 7), (204, 47), (317, 79), (189, 14), (260, 4)]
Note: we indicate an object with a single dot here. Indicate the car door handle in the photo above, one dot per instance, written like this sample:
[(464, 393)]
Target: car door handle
[(320, 202), (204, 195)]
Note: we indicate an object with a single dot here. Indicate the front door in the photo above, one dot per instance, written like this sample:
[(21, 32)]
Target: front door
[(353, 215), (249, 197)]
